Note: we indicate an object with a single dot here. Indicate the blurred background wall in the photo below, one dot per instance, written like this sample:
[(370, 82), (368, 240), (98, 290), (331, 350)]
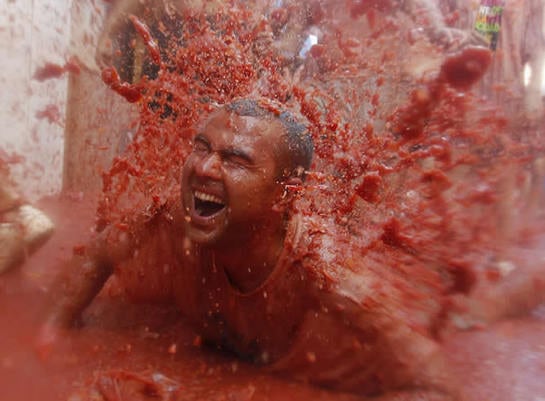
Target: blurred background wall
[(32, 113), (59, 126)]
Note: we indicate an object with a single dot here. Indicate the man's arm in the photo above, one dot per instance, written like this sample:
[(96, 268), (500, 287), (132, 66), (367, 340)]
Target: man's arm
[(414, 362), (366, 348), (79, 281), (514, 293)]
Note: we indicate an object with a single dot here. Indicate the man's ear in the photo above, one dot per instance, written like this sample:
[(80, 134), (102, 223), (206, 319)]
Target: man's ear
[(291, 186)]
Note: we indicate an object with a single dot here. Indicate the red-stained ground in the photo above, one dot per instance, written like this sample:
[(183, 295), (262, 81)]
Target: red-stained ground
[(503, 363)]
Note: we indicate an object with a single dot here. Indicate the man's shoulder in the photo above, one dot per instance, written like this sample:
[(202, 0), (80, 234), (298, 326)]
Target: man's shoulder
[(324, 251), (344, 270)]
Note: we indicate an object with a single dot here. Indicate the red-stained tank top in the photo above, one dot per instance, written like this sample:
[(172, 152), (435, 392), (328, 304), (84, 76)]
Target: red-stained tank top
[(259, 325), (325, 314)]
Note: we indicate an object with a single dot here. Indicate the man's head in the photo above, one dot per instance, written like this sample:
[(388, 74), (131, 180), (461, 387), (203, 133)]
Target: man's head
[(233, 181), (295, 148)]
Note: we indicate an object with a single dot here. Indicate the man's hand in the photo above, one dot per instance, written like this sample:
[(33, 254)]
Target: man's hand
[(80, 280), (511, 288)]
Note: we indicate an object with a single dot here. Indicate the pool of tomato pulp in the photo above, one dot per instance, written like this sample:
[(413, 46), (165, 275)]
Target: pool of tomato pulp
[(420, 170)]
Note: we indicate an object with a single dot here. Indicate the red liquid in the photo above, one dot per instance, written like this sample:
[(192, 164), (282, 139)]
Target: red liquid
[(407, 183), (48, 71), (51, 70), (463, 70), (151, 45), (128, 91)]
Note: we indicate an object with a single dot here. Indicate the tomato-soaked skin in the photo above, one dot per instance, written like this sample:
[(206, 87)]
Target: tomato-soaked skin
[(311, 319)]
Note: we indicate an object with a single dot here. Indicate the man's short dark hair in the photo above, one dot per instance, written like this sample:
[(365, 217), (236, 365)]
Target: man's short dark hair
[(298, 141)]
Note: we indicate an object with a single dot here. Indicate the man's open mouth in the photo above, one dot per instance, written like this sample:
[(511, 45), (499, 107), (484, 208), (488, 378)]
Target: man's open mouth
[(207, 205)]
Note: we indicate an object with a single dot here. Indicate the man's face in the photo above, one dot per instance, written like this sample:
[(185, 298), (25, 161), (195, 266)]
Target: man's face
[(229, 181)]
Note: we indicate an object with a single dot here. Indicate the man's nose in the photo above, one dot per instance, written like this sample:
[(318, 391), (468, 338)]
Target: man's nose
[(209, 166)]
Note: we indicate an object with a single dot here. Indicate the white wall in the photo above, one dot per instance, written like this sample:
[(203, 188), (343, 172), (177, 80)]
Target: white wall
[(32, 33)]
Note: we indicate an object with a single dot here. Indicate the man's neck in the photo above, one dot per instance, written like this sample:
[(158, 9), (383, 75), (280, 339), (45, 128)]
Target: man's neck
[(250, 263)]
